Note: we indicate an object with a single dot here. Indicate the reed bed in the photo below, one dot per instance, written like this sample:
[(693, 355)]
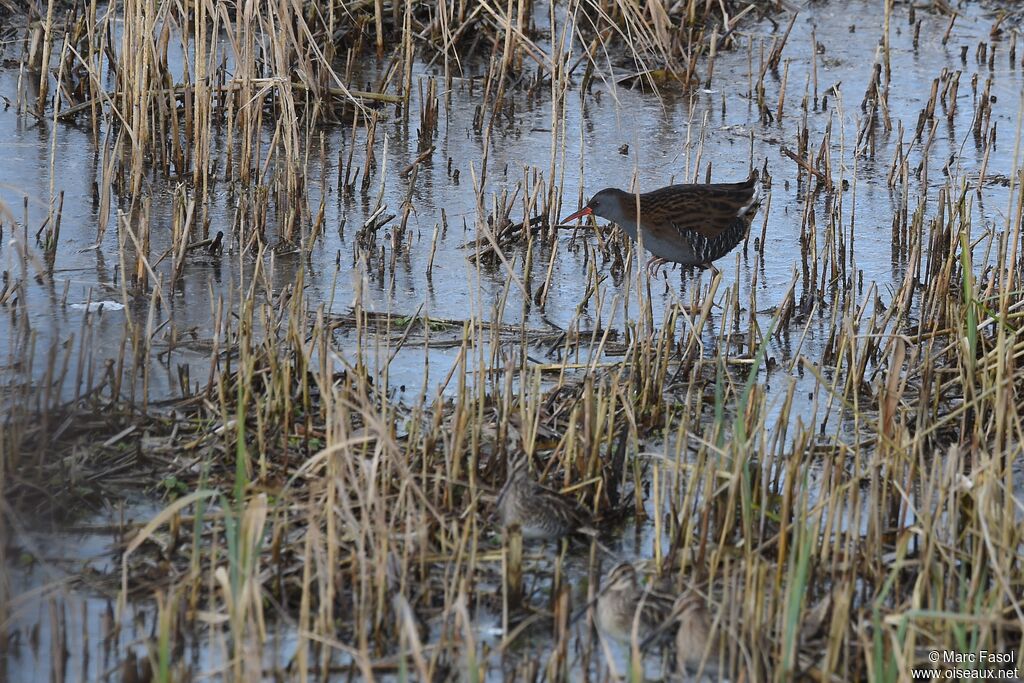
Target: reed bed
[(847, 507)]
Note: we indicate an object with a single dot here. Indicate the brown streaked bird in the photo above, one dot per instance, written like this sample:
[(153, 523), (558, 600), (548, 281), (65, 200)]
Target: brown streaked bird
[(691, 224), (539, 512), (705, 650), (698, 649), (622, 599)]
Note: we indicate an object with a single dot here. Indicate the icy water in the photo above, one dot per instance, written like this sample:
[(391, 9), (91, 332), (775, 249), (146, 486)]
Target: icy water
[(614, 136)]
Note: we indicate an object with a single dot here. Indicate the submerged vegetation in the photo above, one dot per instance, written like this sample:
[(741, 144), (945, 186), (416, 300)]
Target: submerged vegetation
[(244, 365)]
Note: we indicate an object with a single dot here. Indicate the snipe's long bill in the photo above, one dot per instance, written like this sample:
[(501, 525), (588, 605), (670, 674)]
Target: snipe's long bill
[(690, 224)]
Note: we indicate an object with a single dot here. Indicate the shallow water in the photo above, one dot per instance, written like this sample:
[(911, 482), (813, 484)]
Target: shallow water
[(659, 152), (662, 137)]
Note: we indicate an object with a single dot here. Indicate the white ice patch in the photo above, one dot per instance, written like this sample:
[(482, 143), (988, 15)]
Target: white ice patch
[(93, 306)]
